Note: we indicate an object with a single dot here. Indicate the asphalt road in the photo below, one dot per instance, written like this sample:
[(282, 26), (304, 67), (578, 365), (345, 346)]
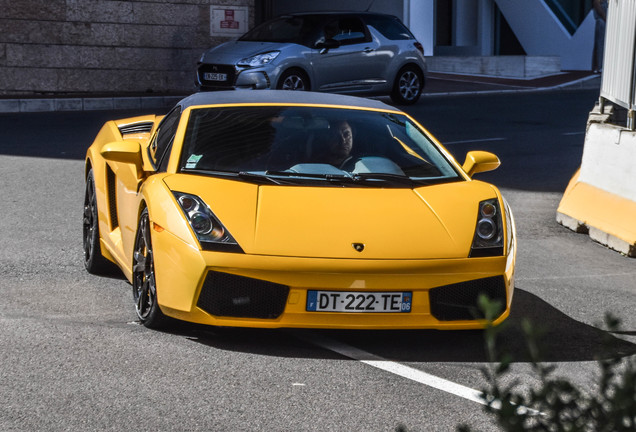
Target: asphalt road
[(73, 358)]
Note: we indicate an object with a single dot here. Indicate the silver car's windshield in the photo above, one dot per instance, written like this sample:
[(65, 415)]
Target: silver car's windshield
[(285, 29), (292, 145)]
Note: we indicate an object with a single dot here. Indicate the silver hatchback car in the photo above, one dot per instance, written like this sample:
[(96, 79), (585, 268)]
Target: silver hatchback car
[(359, 53)]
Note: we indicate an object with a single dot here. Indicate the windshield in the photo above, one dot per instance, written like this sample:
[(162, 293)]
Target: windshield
[(292, 145), (286, 29)]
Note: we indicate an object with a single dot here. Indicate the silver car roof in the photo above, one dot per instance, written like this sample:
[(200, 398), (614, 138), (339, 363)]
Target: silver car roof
[(280, 97)]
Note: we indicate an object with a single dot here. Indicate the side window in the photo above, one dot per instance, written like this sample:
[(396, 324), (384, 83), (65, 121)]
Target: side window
[(390, 27), (347, 31), (164, 136)]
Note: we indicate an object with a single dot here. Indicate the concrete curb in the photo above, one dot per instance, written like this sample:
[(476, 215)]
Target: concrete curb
[(87, 103), (571, 85)]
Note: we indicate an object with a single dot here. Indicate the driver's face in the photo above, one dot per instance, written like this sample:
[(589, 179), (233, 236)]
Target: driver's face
[(344, 142)]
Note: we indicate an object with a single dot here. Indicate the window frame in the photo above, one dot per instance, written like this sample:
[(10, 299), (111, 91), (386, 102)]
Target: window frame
[(159, 155)]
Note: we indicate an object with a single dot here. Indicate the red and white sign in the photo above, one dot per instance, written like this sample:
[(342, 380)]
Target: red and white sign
[(228, 20)]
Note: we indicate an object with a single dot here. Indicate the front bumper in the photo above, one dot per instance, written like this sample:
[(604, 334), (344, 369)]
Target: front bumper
[(242, 290), (237, 77)]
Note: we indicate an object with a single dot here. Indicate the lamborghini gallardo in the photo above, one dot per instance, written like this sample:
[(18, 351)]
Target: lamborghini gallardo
[(288, 209)]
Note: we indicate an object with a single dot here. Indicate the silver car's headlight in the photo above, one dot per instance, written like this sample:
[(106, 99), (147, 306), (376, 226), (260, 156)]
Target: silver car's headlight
[(210, 232), (488, 239), (259, 59)]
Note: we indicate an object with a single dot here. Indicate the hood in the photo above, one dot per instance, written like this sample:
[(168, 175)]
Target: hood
[(233, 52), (324, 222)]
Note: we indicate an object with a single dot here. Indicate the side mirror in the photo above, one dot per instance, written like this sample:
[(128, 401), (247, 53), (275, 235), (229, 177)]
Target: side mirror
[(128, 152), (123, 151), (480, 161)]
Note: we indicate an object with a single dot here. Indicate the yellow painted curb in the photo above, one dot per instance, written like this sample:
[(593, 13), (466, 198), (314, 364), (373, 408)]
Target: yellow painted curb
[(608, 218)]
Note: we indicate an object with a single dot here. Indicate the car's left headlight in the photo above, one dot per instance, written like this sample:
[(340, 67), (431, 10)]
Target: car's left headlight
[(210, 232), (489, 238), (259, 59)]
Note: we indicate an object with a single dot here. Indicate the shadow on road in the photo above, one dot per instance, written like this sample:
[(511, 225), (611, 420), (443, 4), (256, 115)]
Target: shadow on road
[(56, 135), (565, 339)]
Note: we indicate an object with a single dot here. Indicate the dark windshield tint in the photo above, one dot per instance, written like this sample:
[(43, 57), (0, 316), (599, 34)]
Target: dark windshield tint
[(390, 27), (316, 141), (286, 29)]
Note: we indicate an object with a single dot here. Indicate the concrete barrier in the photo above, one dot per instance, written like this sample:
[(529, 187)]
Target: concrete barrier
[(521, 67), (601, 197)]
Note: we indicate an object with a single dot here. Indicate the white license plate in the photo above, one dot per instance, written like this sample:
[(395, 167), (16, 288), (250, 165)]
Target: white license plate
[(358, 302), (213, 76)]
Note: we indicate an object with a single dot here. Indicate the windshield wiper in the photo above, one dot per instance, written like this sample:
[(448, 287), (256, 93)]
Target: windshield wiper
[(396, 178), (332, 178), (294, 174), (253, 176), (264, 177), (275, 176), (368, 179)]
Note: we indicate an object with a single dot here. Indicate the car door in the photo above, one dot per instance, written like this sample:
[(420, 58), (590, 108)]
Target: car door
[(351, 64), (128, 185)]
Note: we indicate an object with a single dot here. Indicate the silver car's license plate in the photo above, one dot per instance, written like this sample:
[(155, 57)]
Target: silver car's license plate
[(358, 302), (213, 76)]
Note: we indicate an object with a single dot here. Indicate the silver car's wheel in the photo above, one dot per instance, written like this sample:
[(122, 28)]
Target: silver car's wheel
[(294, 79), (144, 283), (93, 260), (408, 86)]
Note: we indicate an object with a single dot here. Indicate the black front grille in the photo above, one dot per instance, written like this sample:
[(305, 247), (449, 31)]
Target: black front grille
[(229, 70), (459, 301), (229, 295)]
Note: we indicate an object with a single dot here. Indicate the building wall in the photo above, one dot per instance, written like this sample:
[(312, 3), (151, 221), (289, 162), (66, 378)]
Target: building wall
[(553, 39), (105, 46), (392, 7)]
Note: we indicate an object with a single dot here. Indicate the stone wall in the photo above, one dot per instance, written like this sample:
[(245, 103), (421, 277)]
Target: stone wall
[(104, 46)]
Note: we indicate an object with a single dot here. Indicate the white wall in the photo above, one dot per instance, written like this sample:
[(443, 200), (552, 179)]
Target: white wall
[(542, 34), (419, 16)]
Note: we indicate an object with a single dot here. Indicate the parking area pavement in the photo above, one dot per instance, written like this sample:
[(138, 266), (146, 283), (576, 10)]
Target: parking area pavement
[(437, 85)]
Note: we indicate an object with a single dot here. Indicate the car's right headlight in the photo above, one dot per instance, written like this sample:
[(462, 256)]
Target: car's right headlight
[(210, 232), (488, 239), (259, 59)]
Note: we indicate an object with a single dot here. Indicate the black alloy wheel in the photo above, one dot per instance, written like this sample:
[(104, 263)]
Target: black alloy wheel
[(94, 261), (143, 280), (408, 86), (294, 79)]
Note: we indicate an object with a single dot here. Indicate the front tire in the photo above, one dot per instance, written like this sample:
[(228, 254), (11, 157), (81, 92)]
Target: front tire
[(294, 79), (94, 261), (143, 280), (407, 86)]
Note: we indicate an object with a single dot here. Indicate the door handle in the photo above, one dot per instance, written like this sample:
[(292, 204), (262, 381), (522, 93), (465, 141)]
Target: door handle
[(368, 50)]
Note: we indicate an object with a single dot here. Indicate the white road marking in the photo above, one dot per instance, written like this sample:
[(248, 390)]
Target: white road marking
[(573, 133), (579, 276), (405, 371), (474, 140), (397, 368)]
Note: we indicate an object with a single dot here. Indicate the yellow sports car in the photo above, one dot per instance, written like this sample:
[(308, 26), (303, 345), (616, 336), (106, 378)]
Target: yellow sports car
[(295, 209)]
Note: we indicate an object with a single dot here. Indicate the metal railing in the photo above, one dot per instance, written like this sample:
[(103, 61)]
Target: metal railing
[(619, 73)]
